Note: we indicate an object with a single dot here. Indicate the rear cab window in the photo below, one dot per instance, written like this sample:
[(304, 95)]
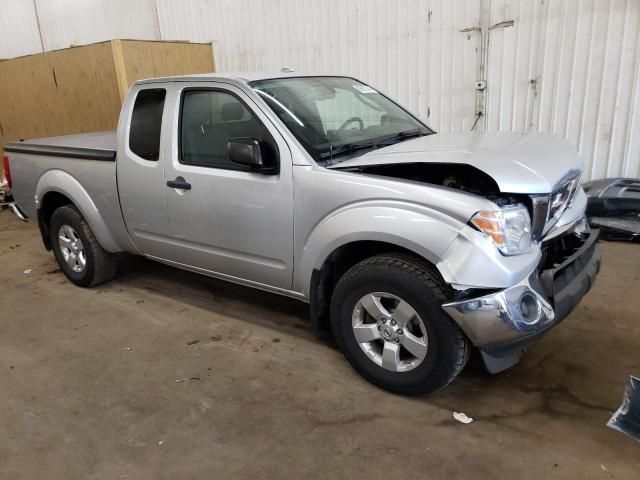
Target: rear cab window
[(146, 123)]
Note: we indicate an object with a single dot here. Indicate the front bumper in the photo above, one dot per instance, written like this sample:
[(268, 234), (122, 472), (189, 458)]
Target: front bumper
[(504, 322)]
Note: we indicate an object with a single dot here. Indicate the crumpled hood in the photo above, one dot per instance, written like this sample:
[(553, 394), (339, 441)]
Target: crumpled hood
[(519, 162)]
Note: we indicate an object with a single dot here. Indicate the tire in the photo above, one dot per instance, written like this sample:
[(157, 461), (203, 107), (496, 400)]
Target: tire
[(443, 349), (69, 228)]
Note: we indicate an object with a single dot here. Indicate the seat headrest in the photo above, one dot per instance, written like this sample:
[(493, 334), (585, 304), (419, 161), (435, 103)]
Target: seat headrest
[(198, 107), (232, 111)]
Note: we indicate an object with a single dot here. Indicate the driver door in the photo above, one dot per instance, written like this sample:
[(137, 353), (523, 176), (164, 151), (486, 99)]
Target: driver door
[(230, 221)]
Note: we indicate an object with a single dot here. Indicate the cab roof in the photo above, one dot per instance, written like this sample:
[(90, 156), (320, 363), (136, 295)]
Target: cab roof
[(237, 77)]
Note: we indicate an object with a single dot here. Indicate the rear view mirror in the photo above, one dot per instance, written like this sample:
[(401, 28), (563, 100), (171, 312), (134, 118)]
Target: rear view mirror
[(246, 151)]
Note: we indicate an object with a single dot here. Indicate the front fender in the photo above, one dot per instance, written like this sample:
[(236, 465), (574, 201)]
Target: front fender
[(473, 261), (424, 231), (61, 182)]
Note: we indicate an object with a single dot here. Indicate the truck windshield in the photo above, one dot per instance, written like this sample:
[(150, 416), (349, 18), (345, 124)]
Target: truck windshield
[(335, 118)]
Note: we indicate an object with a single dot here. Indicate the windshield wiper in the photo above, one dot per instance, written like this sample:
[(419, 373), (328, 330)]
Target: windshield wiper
[(345, 149), (348, 148), (401, 136)]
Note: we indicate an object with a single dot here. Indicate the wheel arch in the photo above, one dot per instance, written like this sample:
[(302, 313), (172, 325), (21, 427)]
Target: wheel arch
[(357, 231), (48, 204), (325, 277), (57, 188)]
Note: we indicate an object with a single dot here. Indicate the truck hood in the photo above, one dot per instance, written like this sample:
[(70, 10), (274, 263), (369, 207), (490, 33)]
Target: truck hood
[(518, 162)]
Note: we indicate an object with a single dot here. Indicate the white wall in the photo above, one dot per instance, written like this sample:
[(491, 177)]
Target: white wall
[(19, 33), (584, 59), (72, 22), (567, 66)]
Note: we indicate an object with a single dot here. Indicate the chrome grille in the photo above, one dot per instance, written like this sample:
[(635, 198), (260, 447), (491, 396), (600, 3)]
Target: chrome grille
[(560, 199), (547, 209)]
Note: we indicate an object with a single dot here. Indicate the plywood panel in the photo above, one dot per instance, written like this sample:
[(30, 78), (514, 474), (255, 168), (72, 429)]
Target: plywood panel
[(153, 59), (81, 89), (65, 91)]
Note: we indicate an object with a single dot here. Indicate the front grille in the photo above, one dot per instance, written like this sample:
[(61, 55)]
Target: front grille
[(539, 216), (547, 209), (556, 251), (560, 199)]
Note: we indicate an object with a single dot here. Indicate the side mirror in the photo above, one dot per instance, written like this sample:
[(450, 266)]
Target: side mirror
[(246, 151)]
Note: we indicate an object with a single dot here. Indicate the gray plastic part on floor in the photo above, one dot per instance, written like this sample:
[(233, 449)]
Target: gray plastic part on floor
[(627, 417)]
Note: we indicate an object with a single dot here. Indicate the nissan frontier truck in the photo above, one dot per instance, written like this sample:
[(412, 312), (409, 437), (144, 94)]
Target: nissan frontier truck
[(411, 247)]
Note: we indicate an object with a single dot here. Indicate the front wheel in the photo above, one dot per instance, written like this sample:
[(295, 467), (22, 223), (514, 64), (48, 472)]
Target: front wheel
[(387, 318), (77, 251)]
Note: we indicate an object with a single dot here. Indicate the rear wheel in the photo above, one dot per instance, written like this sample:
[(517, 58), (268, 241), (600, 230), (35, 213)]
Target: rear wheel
[(77, 251), (387, 318)]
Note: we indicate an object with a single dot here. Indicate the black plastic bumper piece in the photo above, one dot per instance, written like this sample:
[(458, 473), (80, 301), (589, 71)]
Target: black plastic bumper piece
[(567, 283), (564, 286)]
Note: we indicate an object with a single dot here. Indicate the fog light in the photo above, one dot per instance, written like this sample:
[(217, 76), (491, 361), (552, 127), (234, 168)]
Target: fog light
[(529, 308)]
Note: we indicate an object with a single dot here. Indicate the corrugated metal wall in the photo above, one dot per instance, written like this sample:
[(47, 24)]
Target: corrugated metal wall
[(573, 68), (19, 32), (567, 66), (73, 22), (412, 49)]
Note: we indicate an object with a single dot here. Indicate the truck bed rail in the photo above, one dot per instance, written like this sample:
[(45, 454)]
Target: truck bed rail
[(62, 151)]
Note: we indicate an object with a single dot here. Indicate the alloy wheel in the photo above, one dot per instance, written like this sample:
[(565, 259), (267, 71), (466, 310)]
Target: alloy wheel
[(389, 331), (72, 248)]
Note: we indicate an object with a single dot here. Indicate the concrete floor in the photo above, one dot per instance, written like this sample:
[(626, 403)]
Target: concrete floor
[(166, 374)]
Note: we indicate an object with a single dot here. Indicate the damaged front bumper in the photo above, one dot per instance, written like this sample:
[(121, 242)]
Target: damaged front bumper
[(502, 323)]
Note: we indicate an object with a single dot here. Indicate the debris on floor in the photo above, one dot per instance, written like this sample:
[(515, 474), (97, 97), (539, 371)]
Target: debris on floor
[(27, 271), (622, 228), (195, 379), (613, 206), (627, 417), (462, 417), (5, 195)]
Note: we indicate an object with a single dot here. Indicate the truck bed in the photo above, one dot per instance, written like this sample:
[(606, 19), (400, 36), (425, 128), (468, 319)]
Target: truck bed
[(84, 165), (91, 146)]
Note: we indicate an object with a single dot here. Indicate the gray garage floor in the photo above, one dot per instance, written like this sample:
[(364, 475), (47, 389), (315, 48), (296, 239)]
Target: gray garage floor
[(109, 383)]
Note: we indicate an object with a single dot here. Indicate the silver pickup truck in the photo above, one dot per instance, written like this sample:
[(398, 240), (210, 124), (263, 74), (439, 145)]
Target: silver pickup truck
[(410, 247)]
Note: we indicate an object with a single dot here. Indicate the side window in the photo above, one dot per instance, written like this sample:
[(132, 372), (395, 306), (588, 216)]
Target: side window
[(146, 122), (209, 119)]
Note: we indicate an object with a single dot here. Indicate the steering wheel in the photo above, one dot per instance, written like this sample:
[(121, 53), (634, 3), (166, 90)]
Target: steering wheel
[(350, 121)]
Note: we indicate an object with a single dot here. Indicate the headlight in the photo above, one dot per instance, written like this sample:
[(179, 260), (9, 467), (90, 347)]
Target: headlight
[(561, 199), (509, 228)]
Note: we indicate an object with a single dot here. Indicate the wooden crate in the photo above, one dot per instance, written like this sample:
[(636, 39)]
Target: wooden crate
[(81, 89)]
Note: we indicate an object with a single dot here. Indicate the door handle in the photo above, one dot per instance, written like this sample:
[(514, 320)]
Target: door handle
[(179, 183)]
